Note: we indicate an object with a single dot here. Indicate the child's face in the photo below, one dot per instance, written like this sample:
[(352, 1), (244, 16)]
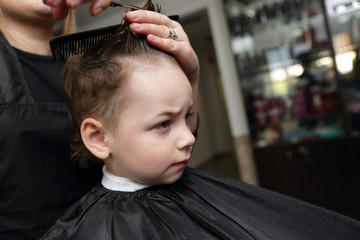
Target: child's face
[(153, 142)]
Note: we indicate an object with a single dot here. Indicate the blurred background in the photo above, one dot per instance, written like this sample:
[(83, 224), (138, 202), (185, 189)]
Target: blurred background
[(279, 92)]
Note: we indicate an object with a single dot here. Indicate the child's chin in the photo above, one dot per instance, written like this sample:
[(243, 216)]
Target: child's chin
[(175, 178), (169, 180)]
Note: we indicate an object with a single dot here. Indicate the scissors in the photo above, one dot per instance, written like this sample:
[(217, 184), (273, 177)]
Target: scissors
[(117, 3)]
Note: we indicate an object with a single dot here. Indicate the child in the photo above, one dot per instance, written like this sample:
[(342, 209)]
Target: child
[(131, 104)]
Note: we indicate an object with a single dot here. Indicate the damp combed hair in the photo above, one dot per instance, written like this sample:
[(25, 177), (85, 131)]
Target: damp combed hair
[(94, 80)]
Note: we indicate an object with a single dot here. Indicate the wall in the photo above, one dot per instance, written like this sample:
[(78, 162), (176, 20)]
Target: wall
[(214, 138)]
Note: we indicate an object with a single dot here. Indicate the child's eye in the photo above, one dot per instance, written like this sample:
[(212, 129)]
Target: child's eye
[(188, 115), (163, 125)]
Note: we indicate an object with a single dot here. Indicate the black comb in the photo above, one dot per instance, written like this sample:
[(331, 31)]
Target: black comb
[(64, 47)]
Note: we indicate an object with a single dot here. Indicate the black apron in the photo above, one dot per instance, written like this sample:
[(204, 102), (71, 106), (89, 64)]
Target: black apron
[(37, 180)]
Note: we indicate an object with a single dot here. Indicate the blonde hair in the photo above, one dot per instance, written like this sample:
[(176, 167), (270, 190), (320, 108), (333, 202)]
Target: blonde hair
[(69, 25)]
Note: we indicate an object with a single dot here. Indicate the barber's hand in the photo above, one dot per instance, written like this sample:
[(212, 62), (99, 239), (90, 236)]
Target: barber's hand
[(157, 28), (60, 8), (153, 24)]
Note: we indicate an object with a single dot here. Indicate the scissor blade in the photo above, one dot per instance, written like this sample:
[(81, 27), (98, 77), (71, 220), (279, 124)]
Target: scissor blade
[(117, 3)]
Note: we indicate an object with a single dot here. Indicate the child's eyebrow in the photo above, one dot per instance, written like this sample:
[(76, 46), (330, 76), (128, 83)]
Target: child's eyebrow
[(174, 111), (170, 113)]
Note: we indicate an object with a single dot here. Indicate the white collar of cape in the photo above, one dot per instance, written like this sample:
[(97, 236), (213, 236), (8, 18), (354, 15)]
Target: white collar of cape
[(122, 184)]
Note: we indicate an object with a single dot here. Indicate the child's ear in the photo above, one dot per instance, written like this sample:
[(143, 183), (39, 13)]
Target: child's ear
[(94, 138)]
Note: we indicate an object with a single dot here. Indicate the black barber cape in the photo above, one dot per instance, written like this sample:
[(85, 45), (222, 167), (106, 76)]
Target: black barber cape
[(199, 206)]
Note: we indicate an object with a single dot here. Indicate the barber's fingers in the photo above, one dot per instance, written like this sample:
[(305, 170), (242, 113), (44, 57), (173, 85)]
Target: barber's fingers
[(60, 8), (148, 22), (76, 3), (96, 6), (60, 14), (182, 51), (69, 3), (156, 27), (158, 30), (144, 16)]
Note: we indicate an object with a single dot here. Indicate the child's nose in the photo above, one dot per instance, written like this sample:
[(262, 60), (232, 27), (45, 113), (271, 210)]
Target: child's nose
[(187, 140)]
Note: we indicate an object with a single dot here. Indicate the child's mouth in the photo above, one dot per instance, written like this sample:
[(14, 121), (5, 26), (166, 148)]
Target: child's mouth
[(181, 164)]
